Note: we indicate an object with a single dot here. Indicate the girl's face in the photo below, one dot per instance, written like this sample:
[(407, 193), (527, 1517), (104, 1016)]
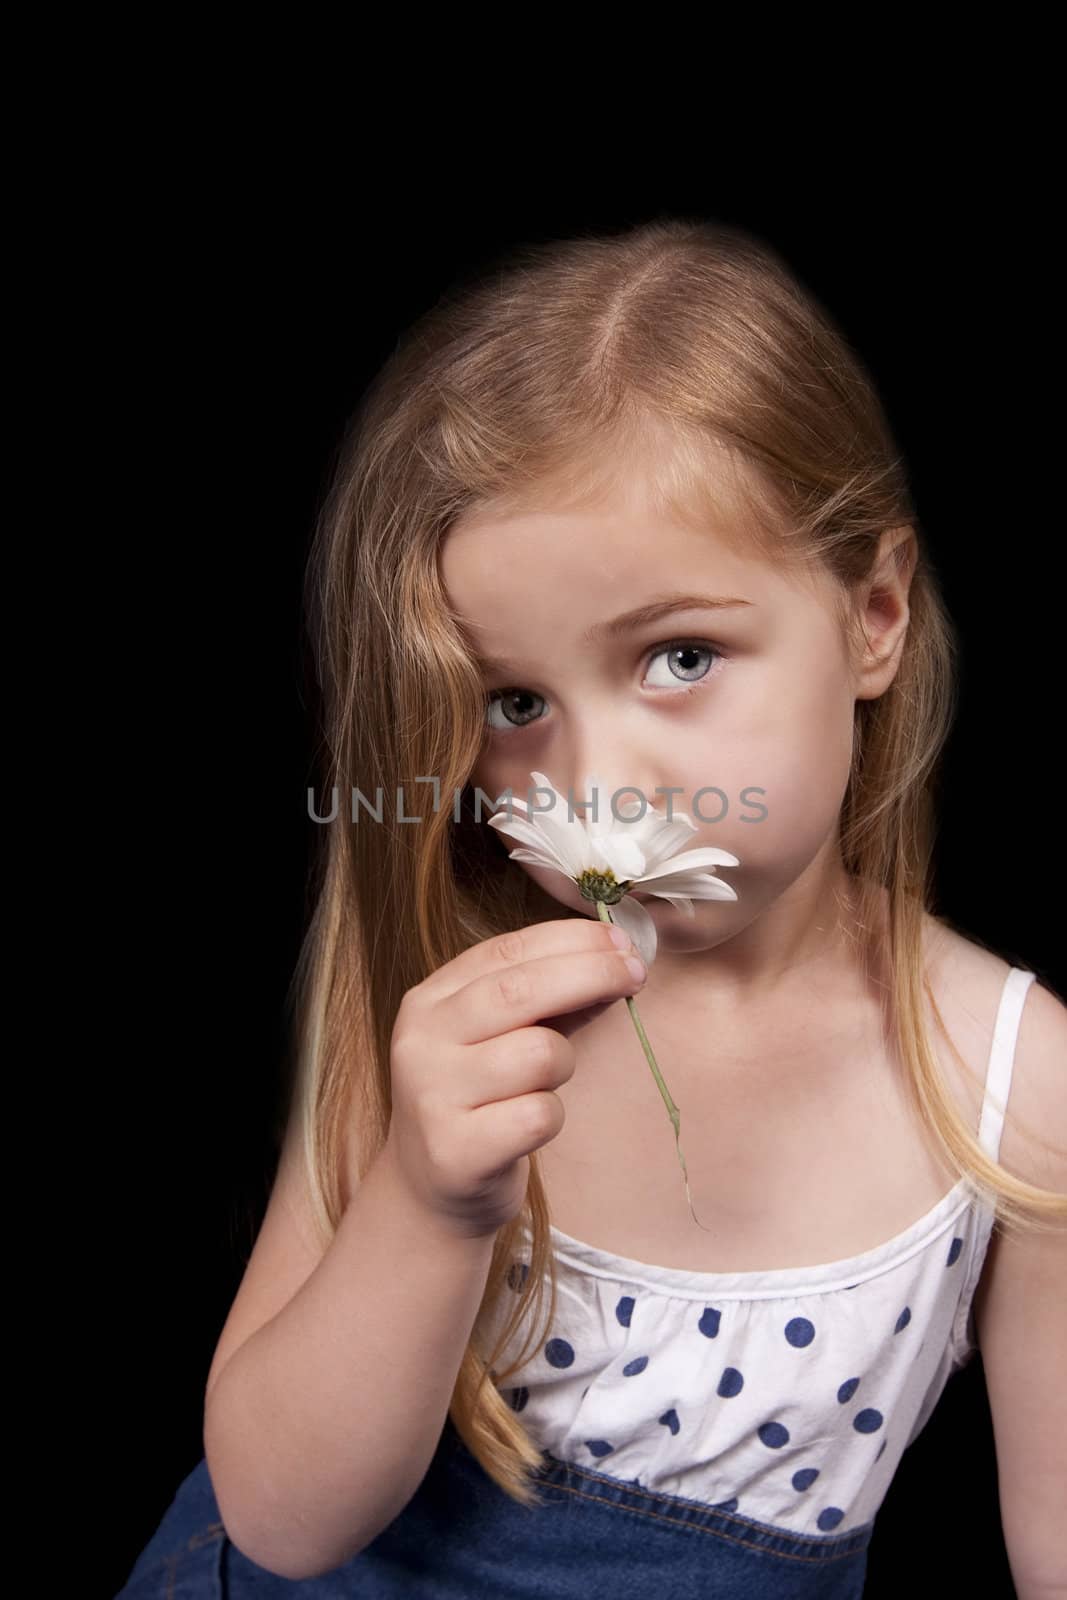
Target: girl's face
[(747, 696)]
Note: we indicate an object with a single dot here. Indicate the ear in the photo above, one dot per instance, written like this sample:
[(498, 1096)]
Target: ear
[(882, 612)]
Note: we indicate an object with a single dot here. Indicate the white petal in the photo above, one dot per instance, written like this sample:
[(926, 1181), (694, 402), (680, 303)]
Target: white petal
[(519, 826), (605, 822), (584, 844), (690, 861), (632, 917), (699, 886), (565, 837), (517, 804), (691, 885), (539, 859), (623, 856), (529, 833), (662, 839)]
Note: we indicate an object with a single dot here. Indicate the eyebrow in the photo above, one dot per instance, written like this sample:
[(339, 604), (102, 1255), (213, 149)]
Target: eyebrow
[(640, 617)]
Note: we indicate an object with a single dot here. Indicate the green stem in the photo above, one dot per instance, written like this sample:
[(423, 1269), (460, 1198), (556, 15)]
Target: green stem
[(672, 1110)]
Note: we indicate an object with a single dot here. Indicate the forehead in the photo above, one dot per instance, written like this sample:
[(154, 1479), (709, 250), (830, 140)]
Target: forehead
[(583, 559), (611, 528), (663, 490)]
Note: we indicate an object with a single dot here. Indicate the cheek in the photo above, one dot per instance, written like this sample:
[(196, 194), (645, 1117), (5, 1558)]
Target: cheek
[(792, 757), (496, 768), (803, 802), (491, 778), (805, 774)]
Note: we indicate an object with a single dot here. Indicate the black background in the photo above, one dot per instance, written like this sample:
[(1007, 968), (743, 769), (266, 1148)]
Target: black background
[(248, 303)]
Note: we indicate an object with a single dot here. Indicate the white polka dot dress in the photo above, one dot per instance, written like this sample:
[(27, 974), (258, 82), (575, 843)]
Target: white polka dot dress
[(787, 1396)]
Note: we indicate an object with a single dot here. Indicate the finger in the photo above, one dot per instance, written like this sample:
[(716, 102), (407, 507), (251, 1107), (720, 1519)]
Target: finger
[(560, 936), (519, 996)]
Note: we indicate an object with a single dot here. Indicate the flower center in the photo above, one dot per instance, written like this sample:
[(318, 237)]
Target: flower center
[(602, 886)]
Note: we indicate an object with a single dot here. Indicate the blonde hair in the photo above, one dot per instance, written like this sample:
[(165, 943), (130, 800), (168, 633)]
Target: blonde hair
[(689, 348)]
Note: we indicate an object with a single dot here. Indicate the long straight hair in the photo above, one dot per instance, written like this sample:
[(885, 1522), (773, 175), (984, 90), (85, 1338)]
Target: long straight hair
[(685, 350)]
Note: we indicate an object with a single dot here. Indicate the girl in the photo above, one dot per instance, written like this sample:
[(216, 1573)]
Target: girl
[(632, 507)]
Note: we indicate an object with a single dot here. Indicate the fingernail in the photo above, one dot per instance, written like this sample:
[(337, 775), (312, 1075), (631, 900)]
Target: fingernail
[(621, 938), (637, 968)]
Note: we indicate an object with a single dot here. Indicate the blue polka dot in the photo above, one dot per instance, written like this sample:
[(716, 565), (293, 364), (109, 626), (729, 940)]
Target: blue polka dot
[(585, 1391), (725, 1505), (805, 1477), (558, 1353), (868, 1421), (670, 1420), (851, 1286), (829, 1519), (632, 1368), (517, 1274), (881, 1447), (517, 1398), (709, 1323), (599, 1447), (848, 1389), (903, 1319), (799, 1332), (954, 1251), (730, 1383), (773, 1435), (624, 1310)]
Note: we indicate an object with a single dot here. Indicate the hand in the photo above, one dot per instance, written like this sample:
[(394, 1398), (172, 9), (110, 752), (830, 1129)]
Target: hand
[(477, 1052)]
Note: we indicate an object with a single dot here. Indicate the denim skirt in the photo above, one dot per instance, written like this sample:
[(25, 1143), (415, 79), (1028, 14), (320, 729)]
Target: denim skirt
[(462, 1538)]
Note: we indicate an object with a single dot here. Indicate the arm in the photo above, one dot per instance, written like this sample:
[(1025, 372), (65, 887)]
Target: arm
[(1021, 1317), (321, 1426)]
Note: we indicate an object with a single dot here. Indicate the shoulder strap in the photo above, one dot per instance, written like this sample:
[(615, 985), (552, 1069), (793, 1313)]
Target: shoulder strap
[(1002, 1059)]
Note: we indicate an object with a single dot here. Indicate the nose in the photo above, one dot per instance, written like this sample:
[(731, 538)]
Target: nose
[(611, 754), (606, 790)]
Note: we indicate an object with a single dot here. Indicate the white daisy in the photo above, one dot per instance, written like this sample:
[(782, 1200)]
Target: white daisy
[(613, 856)]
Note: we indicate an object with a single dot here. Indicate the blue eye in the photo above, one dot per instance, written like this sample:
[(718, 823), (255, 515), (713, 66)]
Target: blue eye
[(516, 700), (680, 665), (518, 708)]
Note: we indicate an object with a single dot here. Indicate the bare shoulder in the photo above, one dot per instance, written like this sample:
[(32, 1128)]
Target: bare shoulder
[(1020, 1302), (966, 978), (1034, 1140), (967, 981)]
